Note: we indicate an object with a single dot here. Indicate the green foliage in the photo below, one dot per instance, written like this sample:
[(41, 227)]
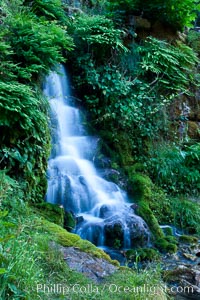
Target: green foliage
[(32, 39), (188, 239), (175, 13), (143, 254), (164, 246), (176, 169), (96, 35), (169, 67), (131, 91), (50, 9), (193, 39), (186, 215), (127, 5)]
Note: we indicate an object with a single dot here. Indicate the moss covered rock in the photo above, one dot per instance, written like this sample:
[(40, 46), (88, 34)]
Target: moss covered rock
[(164, 246), (187, 239), (146, 194), (66, 239), (140, 187), (146, 213)]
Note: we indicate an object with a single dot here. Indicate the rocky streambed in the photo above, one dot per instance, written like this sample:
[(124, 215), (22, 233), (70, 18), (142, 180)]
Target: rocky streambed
[(181, 271)]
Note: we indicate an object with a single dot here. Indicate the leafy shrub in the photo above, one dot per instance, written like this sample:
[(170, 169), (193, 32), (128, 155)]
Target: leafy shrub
[(186, 215), (32, 39), (50, 9), (133, 96), (96, 35), (175, 169), (169, 67)]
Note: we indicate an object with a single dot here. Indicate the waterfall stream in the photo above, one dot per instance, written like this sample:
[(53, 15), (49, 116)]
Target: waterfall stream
[(102, 211)]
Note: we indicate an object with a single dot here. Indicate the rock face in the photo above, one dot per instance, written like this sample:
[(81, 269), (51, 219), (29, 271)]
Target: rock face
[(185, 113), (93, 267)]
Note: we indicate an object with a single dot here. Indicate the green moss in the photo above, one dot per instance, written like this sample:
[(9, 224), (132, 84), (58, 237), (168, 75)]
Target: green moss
[(164, 246), (140, 186), (160, 205), (143, 254), (66, 239), (52, 212), (118, 147), (188, 239), (145, 212), (171, 239), (186, 215), (168, 231), (193, 40)]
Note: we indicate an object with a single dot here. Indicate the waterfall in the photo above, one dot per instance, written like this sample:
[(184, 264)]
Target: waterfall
[(104, 215)]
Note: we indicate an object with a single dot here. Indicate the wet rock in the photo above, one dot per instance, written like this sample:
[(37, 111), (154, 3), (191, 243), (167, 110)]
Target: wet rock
[(187, 281), (79, 219), (130, 226), (140, 22), (134, 206), (104, 212), (139, 232), (114, 232), (115, 176), (118, 255), (82, 180), (182, 272), (111, 175), (189, 256), (198, 254), (102, 162), (93, 267)]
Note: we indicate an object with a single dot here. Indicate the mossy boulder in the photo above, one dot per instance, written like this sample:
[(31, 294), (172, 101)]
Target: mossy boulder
[(187, 239), (168, 231), (67, 239), (140, 186), (146, 213), (119, 148), (164, 246), (143, 191), (171, 239), (114, 234)]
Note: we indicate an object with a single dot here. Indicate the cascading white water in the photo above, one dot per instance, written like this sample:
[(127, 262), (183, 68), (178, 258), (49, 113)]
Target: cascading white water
[(74, 182)]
